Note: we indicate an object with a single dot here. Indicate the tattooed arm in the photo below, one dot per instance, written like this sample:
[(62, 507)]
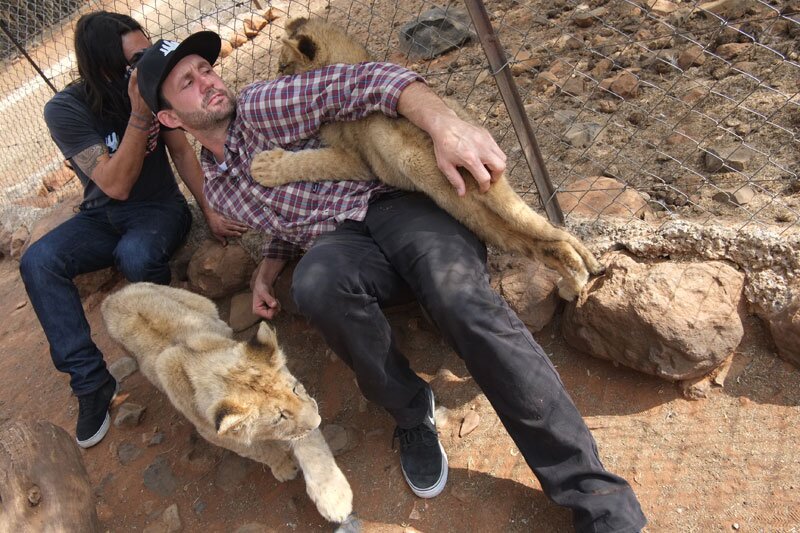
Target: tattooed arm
[(116, 175)]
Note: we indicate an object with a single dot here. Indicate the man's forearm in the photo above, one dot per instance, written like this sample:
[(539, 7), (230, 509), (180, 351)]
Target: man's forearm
[(187, 165), (423, 108), (270, 269)]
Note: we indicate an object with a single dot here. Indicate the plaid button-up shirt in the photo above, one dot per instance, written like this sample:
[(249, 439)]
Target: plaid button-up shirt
[(287, 113)]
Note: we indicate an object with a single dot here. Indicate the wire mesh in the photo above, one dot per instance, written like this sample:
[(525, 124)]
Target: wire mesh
[(658, 110)]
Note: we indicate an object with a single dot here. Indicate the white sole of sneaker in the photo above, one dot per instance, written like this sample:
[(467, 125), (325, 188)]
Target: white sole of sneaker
[(437, 489), (97, 437)]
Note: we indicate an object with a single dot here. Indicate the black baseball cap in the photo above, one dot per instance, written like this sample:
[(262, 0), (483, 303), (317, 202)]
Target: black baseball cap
[(158, 61)]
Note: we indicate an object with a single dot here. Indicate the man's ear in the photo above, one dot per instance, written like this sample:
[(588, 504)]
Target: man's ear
[(168, 118)]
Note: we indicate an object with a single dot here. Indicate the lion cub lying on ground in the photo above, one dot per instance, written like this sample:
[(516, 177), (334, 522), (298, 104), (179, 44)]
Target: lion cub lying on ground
[(400, 154), (239, 395)]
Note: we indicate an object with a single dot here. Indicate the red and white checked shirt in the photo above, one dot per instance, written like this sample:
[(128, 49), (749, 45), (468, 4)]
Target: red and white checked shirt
[(287, 113)]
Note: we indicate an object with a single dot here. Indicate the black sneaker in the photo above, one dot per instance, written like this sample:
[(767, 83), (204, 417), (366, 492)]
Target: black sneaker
[(422, 457), (93, 417)]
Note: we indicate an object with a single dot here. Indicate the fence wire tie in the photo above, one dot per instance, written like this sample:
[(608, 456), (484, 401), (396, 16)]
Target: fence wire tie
[(496, 72)]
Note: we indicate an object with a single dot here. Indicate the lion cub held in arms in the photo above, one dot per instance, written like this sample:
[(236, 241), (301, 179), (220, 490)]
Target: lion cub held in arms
[(239, 395), (400, 154)]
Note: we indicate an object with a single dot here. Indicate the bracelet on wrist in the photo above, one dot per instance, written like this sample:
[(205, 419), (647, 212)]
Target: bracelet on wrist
[(142, 117), (141, 128)]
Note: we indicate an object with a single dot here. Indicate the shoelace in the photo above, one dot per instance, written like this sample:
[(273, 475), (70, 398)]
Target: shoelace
[(420, 435)]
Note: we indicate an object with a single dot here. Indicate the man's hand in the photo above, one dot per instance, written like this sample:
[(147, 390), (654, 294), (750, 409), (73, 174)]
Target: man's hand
[(460, 144), (138, 105), (456, 143), (222, 227), (265, 304)]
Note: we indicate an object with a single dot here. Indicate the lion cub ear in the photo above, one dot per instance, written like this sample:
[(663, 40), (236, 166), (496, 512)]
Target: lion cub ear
[(229, 416), (302, 48), (295, 24), (264, 345)]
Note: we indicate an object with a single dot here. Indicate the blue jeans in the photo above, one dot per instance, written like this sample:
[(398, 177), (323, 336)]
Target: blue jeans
[(138, 238), (408, 248)]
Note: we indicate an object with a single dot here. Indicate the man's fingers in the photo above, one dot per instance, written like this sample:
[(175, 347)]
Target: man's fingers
[(455, 179), (480, 174)]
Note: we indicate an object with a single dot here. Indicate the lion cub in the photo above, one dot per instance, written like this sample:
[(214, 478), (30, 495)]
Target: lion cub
[(400, 154), (239, 395)]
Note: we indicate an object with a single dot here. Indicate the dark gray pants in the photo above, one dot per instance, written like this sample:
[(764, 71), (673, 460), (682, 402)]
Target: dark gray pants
[(408, 248)]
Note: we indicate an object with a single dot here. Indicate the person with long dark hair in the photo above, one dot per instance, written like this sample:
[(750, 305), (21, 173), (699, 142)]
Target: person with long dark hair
[(132, 216)]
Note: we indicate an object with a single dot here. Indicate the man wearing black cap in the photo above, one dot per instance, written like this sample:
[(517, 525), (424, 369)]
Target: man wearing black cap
[(367, 245), (132, 214)]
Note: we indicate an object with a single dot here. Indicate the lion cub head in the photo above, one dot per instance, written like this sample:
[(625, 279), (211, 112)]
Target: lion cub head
[(261, 399), (310, 44)]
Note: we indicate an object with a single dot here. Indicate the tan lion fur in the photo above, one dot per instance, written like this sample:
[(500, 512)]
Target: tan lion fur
[(239, 395), (400, 154)]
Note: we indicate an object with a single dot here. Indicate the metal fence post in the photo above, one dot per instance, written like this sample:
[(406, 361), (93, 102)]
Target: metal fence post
[(516, 111), (23, 52)]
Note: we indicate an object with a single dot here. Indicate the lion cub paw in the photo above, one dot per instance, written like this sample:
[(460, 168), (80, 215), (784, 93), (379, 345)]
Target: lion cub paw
[(267, 166), (284, 470), (567, 289), (332, 496)]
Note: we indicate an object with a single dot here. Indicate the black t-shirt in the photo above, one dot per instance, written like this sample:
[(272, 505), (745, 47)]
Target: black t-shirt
[(75, 128)]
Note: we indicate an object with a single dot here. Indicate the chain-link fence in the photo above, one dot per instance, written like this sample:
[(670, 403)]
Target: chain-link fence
[(659, 110)]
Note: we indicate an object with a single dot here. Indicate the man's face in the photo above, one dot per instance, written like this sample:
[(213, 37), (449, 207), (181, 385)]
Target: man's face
[(198, 97)]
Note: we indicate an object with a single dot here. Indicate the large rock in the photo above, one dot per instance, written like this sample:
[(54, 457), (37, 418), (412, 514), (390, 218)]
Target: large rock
[(601, 196), (216, 270), (19, 238), (529, 288), (784, 326), (60, 214), (5, 242), (673, 320)]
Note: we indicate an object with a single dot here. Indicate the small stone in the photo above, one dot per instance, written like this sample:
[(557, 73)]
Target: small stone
[(661, 7), (231, 471), (525, 62), (693, 96), (158, 477), (199, 506), (414, 514), (692, 56), (607, 106), (127, 453), (20, 304), (252, 527), (129, 415), (625, 85), (731, 50), (727, 159), (726, 9), (123, 367), (584, 19), (581, 135), (171, 519), (574, 86), (469, 424), (336, 437), (155, 439)]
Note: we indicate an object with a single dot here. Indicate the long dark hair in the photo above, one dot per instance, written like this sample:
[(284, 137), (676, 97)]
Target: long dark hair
[(101, 61)]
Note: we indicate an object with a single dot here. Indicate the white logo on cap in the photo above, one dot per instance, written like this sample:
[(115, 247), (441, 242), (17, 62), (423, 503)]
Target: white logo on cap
[(168, 46)]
